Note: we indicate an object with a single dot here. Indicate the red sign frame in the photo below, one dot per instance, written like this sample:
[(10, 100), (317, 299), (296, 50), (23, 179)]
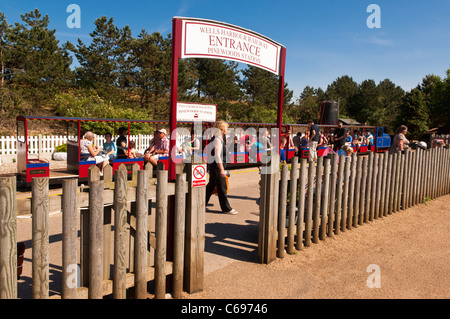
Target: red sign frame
[(177, 37)]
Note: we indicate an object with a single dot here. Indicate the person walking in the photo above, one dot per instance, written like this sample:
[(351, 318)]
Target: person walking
[(313, 140), (217, 173)]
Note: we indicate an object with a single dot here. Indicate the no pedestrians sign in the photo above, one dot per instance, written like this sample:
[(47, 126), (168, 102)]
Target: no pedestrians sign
[(198, 175)]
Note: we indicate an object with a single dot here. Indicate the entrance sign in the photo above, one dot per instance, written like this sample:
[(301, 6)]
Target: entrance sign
[(194, 38), (202, 39), (198, 175), (191, 112)]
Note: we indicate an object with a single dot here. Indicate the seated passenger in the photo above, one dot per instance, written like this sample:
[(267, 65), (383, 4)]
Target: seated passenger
[(151, 148), (91, 153), (369, 138), (323, 142), (195, 144), (109, 147), (161, 148), (358, 140), (283, 149), (297, 142), (132, 152), (186, 147), (348, 138), (304, 141), (122, 149)]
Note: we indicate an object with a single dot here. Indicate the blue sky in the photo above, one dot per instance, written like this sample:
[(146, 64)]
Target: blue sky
[(324, 39)]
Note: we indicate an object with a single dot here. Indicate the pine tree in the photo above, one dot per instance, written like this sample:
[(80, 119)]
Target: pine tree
[(413, 114), (37, 65), (104, 64)]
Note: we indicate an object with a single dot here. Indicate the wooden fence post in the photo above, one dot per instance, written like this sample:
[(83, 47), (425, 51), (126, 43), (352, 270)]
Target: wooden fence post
[(332, 203), (120, 233), (388, 192), (351, 191), (179, 235), (406, 171), (384, 182), (325, 196), (141, 237), (373, 192), (339, 191), (301, 203), (368, 192), (318, 198), (95, 240), (345, 200), (363, 191), (292, 205), (161, 233), (282, 209), (309, 204), (8, 238), (358, 184), (195, 234), (268, 210), (40, 239), (69, 238)]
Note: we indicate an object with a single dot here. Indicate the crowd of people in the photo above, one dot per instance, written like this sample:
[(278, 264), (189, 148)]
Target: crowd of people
[(341, 140), (120, 149)]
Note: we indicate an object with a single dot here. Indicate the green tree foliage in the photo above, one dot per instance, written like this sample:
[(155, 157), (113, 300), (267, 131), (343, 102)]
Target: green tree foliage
[(34, 64), (436, 94), (104, 62), (87, 104), (307, 106), (218, 79), (342, 90), (413, 114), (261, 93)]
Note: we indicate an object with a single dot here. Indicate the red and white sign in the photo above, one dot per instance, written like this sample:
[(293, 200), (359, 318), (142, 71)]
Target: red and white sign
[(196, 112), (206, 39), (199, 175)]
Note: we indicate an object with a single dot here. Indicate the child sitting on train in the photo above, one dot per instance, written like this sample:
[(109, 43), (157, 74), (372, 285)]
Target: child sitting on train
[(109, 147)]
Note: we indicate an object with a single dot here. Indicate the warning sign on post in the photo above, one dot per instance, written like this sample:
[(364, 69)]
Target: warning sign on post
[(198, 175)]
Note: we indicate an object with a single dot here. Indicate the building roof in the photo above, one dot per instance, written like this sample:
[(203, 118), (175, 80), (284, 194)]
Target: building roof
[(349, 121)]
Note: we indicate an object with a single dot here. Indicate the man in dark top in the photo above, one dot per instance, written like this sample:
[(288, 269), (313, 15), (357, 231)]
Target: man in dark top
[(339, 136), (122, 149), (313, 140)]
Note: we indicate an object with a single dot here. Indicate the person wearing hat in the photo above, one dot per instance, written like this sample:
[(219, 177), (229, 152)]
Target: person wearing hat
[(161, 147)]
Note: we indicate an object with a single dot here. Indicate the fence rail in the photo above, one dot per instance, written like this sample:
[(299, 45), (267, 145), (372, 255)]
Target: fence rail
[(145, 222), (47, 143), (312, 202)]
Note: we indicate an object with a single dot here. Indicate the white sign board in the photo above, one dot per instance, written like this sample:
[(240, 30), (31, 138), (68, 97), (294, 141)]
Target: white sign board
[(205, 39), (198, 175), (196, 112)]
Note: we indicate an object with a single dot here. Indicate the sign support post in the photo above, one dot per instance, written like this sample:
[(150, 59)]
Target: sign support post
[(176, 55)]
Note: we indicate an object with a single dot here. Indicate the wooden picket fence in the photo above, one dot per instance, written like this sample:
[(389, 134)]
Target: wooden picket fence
[(312, 202), (170, 257)]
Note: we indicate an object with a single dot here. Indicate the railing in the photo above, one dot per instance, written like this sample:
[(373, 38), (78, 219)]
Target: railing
[(311, 202), (171, 236), (47, 143)]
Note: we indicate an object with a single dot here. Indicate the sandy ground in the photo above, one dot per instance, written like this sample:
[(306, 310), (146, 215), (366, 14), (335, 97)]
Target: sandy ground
[(410, 249)]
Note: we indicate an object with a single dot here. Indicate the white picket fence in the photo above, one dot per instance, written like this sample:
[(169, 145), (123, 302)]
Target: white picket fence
[(47, 143)]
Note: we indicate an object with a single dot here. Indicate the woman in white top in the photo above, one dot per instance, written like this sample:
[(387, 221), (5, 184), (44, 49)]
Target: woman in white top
[(91, 153)]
